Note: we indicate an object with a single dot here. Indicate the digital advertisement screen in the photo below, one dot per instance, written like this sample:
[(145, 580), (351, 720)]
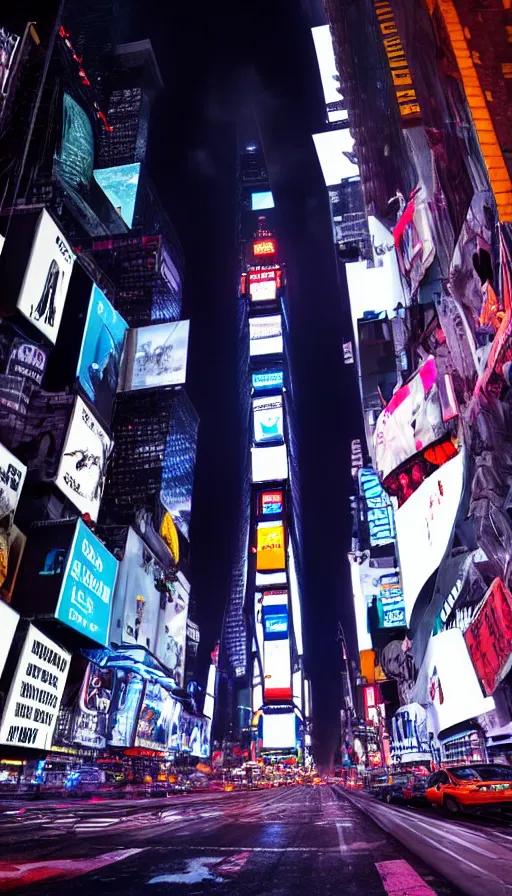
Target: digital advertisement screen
[(335, 150), (74, 158), (263, 247), (263, 284), (271, 553), (265, 335), (172, 633), (268, 419), (155, 356), (277, 670), (86, 594), (275, 622), (45, 284), (124, 709), (27, 360), (17, 541), (411, 421), (269, 463), (322, 40), (83, 463), (279, 731), (91, 717), (267, 379), (424, 527), (379, 513), (195, 738), (12, 477), (33, 702), (136, 601), (8, 45), (262, 200), (271, 502), (120, 185), (154, 722), (8, 624), (100, 355), (489, 637)]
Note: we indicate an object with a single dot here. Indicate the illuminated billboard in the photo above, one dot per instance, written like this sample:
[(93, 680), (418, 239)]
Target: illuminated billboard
[(489, 637), (269, 463), (33, 701), (135, 617), (12, 477), (155, 356), (120, 185), (83, 462), (271, 554), (8, 624), (86, 594), (379, 513), (153, 725), (268, 419), (277, 670), (335, 150), (412, 420), (424, 526), (91, 716), (265, 335), (261, 200), (264, 283), (279, 731), (267, 379), (27, 360), (74, 158), (266, 246), (275, 620), (322, 40), (100, 353), (47, 275), (172, 632), (271, 502)]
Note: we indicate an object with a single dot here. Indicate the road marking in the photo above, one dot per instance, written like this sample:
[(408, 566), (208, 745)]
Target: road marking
[(341, 838), (398, 878), (18, 874), (196, 872), (452, 836)]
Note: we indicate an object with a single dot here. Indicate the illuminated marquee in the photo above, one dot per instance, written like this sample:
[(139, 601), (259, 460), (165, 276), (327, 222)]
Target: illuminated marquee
[(263, 284), (402, 80), (271, 502), (264, 247)]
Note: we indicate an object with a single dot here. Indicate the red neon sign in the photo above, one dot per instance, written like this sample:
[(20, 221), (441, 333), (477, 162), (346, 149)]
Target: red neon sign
[(264, 247)]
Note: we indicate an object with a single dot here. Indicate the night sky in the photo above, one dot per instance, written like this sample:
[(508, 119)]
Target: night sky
[(222, 63)]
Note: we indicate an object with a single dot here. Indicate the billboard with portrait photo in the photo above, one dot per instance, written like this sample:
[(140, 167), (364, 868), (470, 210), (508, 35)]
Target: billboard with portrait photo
[(100, 355), (136, 613), (172, 633), (83, 462), (12, 477), (91, 716), (47, 275), (153, 730)]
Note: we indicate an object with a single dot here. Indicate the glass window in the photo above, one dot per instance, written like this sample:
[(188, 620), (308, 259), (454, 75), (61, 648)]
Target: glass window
[(443, 778)]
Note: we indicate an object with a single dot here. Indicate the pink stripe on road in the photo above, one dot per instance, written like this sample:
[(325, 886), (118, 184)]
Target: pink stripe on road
[(400, 879), (21, 874)]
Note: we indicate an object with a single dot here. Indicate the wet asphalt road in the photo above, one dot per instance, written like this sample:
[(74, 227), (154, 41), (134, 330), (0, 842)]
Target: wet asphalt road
[(292, 841)]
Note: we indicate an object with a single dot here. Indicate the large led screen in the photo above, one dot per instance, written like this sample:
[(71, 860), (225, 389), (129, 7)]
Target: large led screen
[(8, 623), (322, 40), (267, 379), (424, 527), (8, 44), (271, 502), (380, 517), (268, 419), (100, 354), (153, 730), (489, 637), (83, 463), (124, 710), (45, 284), (33, 702), (120, 185), (155, 356), (172, 633), (412, 420), (262, 200), (74, 158), (92, 714), (27, 360), (335, 150), (275, 621), (271, 554), (136, 600), (12, 477), (279, 731), (269, 463), (85, 599), (265, 335), (277, 670), (195, 735)]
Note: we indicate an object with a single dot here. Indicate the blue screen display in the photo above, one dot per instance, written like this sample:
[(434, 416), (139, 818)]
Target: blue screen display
[(86, 594), (120, 186), (100, 355), (262, 200), (275, 622), (268, 379)]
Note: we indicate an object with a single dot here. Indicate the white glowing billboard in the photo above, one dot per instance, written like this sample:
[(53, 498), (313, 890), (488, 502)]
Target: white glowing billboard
[(268, 419), (261, 200), (279, 732), (322, 40), (424, 526), (265, 335), (277, 670), (83, 462), (269, 463), (335, 150)]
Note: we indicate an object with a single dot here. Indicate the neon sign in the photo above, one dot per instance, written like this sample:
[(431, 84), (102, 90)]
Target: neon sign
[(264, 247)]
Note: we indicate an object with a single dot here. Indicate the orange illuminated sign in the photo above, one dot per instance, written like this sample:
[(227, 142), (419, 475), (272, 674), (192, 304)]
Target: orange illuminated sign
[(270, 552), (264, 247)]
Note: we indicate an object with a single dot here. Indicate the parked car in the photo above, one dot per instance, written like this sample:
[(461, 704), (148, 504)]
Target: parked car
[(471, 788), (403, 787)]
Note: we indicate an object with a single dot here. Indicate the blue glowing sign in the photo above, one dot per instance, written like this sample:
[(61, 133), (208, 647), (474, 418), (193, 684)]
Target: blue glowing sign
[(267, 379), (379, 512), (275, 622), (262, 200), (85, 598), (100, 355), (120, 186)]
